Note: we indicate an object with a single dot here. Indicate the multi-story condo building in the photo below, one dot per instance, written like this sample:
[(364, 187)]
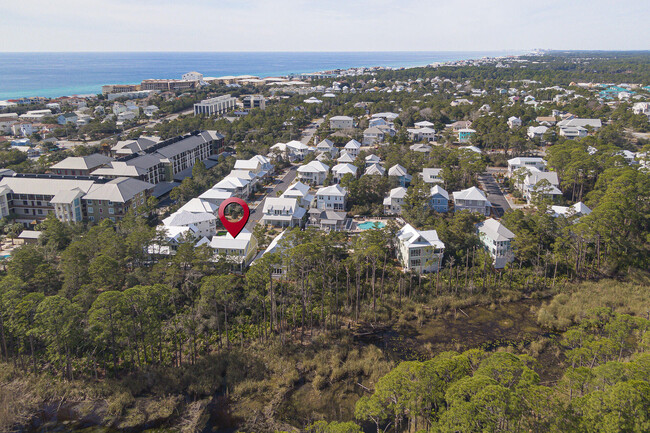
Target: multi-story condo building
[(253, 101), (115, 198), (215, 106), (80, 165), (167, 85)]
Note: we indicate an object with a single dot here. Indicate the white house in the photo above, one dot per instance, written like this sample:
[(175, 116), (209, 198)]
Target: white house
[(297, 149), (473, 200), (420, 147), (326, 147), (352, 148), (372, 159), (216, 196), (373, 135), (531, 186), (239, 251), (375, 170), (332, 197), (341, 122), (421, 134), (579, 209), (424, 124), (514, 122), (340, 170), (496, 239), (171, 237), (401, 174), (282, 212), (204, 222), (537, 131), (419, 250), (572, 132), (150, 110), (345, 158), (394, 201), (313, 173), (199, 205), (236, 186), (432, 175), (300, 192), (594, 124), (526, 162)]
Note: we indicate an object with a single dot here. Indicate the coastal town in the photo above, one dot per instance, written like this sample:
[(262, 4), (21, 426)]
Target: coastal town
[(123, 177), (409, 227)]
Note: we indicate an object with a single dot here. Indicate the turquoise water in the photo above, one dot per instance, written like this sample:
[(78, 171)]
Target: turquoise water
[(370, 225), (59, 74)]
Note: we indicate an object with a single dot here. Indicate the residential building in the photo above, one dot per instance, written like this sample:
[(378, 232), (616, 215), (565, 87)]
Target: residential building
[(439, 199), (422, 134), (473, 200), (496, 239), (313, 173), (239, 251), (297, 149), (594, 124), (465, 134), (192, 76), (352, 148), (327, 147), (329, 220), (419, 251), (215, 106), (112, 200), (341, 122), (68, 205), (375, 170), (420, 147), (394, 201), (531, 186), (537, 131), (250, 102), (432, 175), (340, 170), (372, 159), (129, 147), (166, 85), (332, 197), (150, 110), (199, 205), (579, 209), (424, 124), (170, 238), (345, 158), (202, 223), (66, 118), (373, 135), (401, 174), (29, 196), (572, 132), (300, 192), (525, 162), (514, 122), (235, 186), (216, 196), (80, 165), (282, 212)]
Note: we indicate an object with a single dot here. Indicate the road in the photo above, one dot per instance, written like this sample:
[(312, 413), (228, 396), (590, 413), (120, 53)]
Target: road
[(280, 184), (494, 193)]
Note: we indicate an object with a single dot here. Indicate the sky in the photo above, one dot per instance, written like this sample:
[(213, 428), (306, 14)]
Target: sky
[(327, 25)]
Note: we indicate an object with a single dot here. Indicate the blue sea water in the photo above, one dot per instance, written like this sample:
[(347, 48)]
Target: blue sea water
[(59, 74)]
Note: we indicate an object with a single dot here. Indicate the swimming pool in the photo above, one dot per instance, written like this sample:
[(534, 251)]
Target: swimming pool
[(371, 224)]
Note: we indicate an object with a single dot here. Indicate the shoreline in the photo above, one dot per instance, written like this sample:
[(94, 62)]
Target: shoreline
[(94, 89)]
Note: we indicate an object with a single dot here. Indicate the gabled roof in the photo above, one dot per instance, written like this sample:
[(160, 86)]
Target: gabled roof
[(397, 170), (231, 183), (344, 168), (313, 167), (375, 169), (297, 145), (424, 124), (472, 193), (521, 160), (197, 205), (372, 158), (495, 230), (228, 242), (399, 192), (437, 190), (184, 218), (325, 144), (411, 237), (247, 164), (119, 190), (66, 196), (216, 194), (352, 145), (345, 158), (82, 162), (341, 118), (298, 189), (332, 190)]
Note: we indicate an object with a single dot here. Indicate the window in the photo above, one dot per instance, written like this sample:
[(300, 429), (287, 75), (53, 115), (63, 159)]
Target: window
[(91, 210), (89, 201), (91, 218), (111, 210)]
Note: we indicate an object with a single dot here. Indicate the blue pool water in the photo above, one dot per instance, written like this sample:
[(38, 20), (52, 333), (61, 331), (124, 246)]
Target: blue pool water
[(370, 224)]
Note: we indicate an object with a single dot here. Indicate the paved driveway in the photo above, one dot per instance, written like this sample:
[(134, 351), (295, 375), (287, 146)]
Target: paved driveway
[(494, 194)]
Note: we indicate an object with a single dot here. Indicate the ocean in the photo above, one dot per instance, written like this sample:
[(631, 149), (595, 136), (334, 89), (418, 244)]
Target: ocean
[(60, 74)]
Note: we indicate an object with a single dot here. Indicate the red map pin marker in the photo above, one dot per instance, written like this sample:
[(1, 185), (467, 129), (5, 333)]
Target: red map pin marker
[(234, 227)]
